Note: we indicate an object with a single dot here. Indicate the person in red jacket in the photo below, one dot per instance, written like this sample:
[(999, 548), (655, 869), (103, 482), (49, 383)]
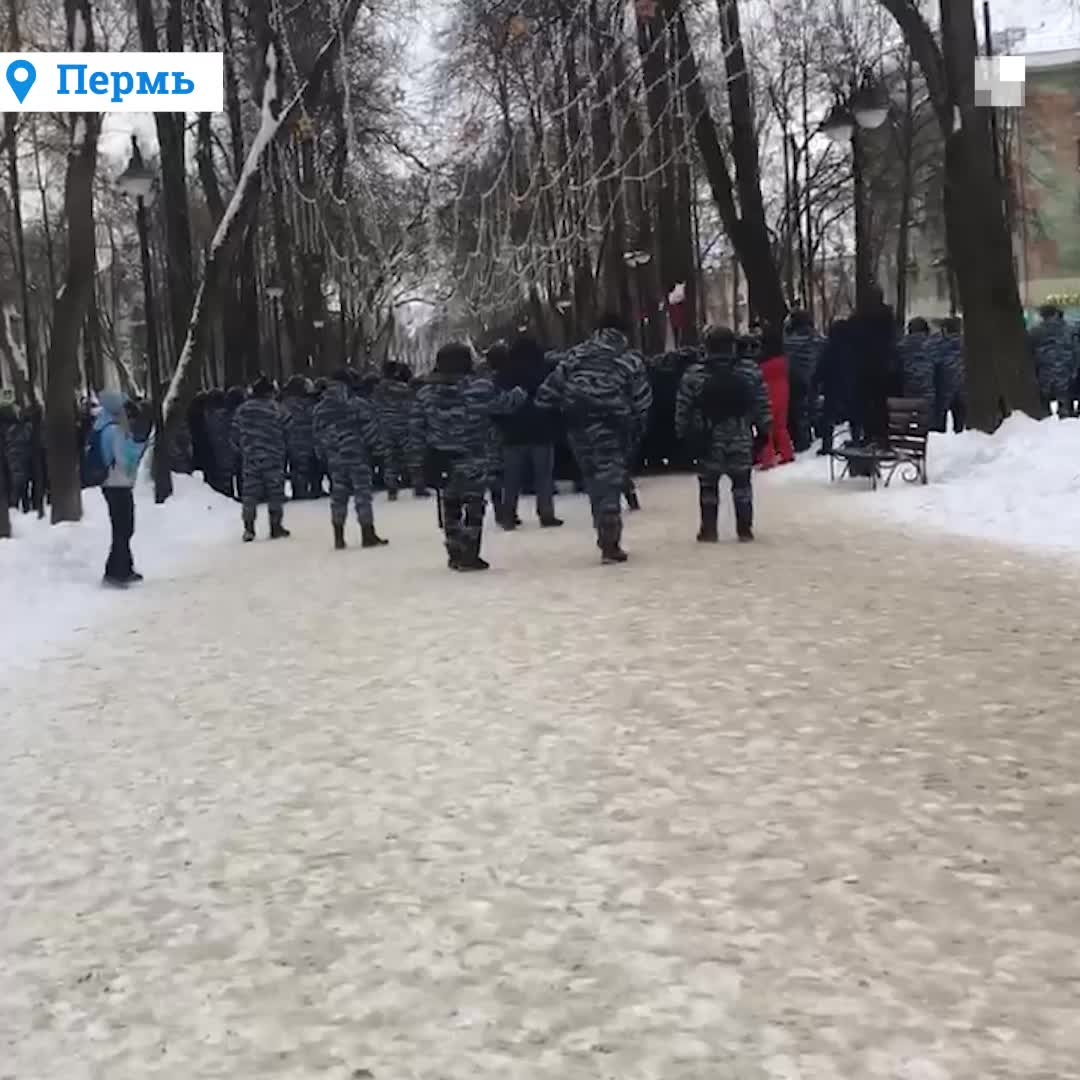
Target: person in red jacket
[(774, 370)]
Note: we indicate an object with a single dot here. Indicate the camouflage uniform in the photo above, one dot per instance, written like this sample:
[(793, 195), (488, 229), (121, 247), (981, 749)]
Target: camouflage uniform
[(450, 429), (17, 449), (642, 391), (947, 353), (345, 428), (493, 470), (803, 349), (259, 435), (724, 443), (1055, 363), (393, 401), (917, 366), (301, 439), (605, 403)]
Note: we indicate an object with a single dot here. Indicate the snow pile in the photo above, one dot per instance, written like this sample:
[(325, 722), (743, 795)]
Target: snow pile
[(1020, 485), (50, 575)]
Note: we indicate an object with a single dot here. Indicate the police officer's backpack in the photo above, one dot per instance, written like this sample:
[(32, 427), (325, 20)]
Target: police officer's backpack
[(726, 395)]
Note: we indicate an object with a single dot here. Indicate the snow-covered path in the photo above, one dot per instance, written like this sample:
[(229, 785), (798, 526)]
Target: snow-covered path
[(803, 810)]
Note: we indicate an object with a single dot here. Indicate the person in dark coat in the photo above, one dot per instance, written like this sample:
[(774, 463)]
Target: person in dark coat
[(528, 435), (835, 381), (873, 335)]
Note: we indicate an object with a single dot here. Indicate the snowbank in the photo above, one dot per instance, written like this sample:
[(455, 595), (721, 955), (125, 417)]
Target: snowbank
[(50, 575), (1020, 485)]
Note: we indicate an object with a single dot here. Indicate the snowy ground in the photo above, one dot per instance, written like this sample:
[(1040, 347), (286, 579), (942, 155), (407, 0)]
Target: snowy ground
[(803, 810), (1019, 486), (51, 576)]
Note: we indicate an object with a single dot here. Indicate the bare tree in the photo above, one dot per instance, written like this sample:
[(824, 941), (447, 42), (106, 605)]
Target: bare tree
[(1000, 377), (74, 298)]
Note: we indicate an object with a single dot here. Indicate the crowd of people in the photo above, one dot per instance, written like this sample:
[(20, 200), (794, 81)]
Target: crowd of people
[(481, 427)]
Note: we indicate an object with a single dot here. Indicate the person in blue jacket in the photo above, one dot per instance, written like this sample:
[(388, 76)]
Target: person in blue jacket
[(121, 453)]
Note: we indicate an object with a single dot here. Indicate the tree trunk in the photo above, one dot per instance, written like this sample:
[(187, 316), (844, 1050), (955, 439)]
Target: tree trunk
[(236, 221), (612, 209), (639, 281), (71, 305), (5, 507), (232, 91), (11, 129), (1000, 375), (749, 236), (652, 39), (10, 121), (312, 263), (771, 307), (170, 133), (686, 238)]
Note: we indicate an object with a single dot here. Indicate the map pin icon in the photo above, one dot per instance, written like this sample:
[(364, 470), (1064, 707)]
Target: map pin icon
[(20, 76)]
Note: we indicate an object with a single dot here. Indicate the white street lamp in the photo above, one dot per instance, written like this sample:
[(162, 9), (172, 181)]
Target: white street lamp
[(136, 181), (870, 105), (838, 124)]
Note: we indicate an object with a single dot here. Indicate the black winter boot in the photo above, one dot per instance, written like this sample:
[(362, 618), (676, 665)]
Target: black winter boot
[(710, 511), (369, 538), (632, 500), (471, 560), (609, 534), (339, 536), (277, 530), (249, 534), (392, 495), (708, 534), (744, 522)]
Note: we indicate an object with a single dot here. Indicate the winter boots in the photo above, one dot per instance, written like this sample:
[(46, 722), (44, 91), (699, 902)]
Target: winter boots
[(277, 530), (550, 522), (632, 500), (249, 533), (369, 538), (710, 512), (339, 536), (468, 558), (744, 520), (609, 535), (392, 496)]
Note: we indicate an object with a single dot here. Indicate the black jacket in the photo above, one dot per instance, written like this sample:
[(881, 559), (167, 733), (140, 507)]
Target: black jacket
[(873, 335), (526, 367)]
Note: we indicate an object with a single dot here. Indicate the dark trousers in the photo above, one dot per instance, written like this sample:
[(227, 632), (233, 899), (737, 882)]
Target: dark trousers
[(121, 504), (799, 415), (516, 459), (742, 492), (959, 413)]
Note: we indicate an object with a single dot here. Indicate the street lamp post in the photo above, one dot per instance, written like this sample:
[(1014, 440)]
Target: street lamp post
[(137, 181), (866, 108), (637, 260), (563, 306), (318, 324), (275, 293)]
